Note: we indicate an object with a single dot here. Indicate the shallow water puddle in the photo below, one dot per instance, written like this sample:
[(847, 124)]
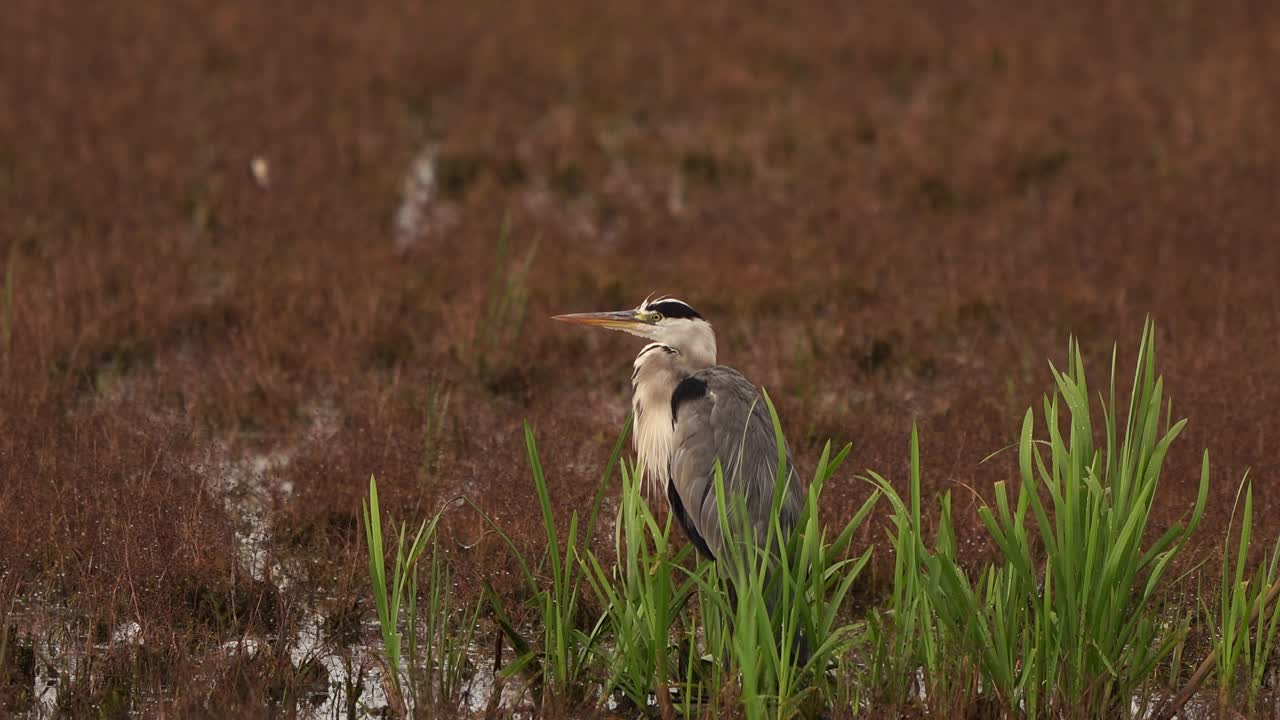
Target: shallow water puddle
[(355, 676), (57, 656)]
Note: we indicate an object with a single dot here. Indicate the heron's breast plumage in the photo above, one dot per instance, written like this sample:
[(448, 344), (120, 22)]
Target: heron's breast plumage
[(654, 380), (653, 439)]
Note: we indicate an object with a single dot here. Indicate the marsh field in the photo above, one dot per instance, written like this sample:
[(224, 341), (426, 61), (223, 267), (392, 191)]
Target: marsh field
[(255, 254)]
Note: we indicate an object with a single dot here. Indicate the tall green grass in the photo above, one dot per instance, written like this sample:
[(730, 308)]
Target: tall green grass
[(1241, 655), (558, 663), (1075, 618), (1071, 621), (903, 637), (776, 605), (388, 595), (642, 595), (439, 664), (424, 649)]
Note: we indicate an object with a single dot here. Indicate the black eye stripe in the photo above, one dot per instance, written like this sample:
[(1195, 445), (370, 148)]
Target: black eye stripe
[(674, 309)]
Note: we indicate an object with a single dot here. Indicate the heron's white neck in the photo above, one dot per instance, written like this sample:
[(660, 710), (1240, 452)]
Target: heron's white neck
[(658, 369)]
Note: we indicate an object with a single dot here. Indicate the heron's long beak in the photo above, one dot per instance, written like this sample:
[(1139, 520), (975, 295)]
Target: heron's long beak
[(618, 320)]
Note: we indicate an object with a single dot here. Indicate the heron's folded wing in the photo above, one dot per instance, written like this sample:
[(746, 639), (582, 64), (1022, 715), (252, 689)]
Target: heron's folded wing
[(718, 413)]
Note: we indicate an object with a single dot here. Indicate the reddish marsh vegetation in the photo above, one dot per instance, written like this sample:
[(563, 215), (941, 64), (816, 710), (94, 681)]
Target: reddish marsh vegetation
[(255, 252)]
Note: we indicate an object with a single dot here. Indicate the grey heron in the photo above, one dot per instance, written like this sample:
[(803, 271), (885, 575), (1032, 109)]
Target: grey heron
[(691, 412)]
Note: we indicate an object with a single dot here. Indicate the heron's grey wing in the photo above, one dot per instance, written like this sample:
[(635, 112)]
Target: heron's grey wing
[(718, 414)]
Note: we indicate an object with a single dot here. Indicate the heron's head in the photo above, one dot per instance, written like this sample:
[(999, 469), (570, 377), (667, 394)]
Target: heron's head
[(665, 320)]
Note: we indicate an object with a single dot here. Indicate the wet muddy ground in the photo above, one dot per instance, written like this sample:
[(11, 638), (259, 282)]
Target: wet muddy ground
[(256, 252)]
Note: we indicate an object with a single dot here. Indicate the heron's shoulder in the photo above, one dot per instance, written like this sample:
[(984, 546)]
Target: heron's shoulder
[(725, 380), (687, 390), (711, 383)]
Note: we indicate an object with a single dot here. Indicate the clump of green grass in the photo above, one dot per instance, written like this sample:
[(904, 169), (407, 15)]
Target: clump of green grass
[(440, 675), (388, 596), (558, 666), (1096, 632), (904, 636), (426, 671), (1242, 656), (1086, 633), (642, 595)]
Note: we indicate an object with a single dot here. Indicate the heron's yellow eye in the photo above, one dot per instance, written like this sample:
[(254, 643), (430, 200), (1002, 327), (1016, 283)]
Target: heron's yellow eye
[(656, 317)]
